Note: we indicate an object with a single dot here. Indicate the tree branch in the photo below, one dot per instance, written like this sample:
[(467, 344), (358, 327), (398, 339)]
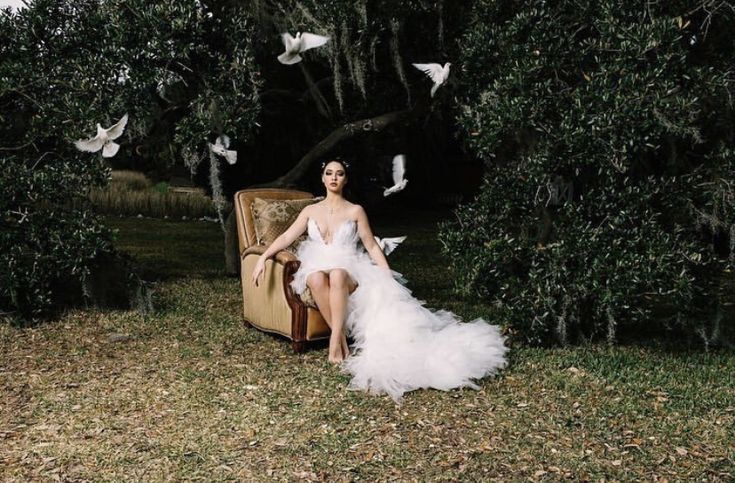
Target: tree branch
[(343, 133)]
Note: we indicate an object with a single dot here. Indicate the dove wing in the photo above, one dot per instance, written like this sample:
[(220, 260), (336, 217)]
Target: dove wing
[(399, 168), (392, 243), (434, 71), (310, 41), (217, 149), (287, 40), (90, 145), (117, 129), (231, 156), (379, 242)]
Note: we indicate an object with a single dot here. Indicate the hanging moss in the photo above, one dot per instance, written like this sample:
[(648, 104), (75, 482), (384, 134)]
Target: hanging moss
[(353, 57), (395, 51)]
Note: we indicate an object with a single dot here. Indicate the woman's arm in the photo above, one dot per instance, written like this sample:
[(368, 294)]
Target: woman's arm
[(289, 236), (284, 240), (366, 235)]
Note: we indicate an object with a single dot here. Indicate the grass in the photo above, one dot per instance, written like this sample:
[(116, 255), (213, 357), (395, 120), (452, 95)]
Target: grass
[(193, 395), (130, 193)]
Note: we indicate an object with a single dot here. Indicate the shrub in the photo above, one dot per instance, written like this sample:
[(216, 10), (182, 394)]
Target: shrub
[(91, 62), (607, 132)]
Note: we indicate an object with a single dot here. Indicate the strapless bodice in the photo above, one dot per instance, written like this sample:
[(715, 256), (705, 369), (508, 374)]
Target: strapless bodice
[(345, 234)]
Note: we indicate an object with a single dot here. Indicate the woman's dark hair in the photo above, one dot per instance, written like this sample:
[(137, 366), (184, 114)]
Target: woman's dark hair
[(339, 160), (347, 192)]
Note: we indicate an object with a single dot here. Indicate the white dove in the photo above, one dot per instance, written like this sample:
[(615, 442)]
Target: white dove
[(104, 139), (399, 169), (436, 72), (296, 45), (220, 148), (389, 244)]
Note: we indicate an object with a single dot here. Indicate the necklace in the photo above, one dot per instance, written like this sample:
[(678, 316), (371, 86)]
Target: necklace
[(332, 209)]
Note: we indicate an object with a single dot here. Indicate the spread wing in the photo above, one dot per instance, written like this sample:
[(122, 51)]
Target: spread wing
[(231, 156), (434, 71), (287, 40), (217, 149), (310, 41), (90, 145), (392, 243), (117, 129), (379, 242), (399, 168)]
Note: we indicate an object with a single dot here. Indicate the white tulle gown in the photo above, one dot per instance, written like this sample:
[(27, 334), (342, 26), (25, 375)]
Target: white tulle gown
[(399, 345)]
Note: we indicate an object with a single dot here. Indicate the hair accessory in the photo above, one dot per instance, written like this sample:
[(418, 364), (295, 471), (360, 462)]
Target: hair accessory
[(339, 160)]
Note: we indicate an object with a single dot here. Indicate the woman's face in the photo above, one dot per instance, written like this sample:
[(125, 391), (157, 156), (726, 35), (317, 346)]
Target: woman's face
[(334, 176)]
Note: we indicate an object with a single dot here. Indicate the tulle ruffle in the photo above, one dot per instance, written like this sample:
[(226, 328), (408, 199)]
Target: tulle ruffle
[(400, 345)]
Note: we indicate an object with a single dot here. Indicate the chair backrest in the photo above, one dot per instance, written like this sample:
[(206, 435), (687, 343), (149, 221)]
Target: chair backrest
[(244, 213)]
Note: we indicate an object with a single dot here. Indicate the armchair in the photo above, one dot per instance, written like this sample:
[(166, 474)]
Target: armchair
[(272, 306)]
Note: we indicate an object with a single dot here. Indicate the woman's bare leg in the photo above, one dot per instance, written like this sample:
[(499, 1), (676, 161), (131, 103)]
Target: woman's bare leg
[(318, 283), (340, 287)]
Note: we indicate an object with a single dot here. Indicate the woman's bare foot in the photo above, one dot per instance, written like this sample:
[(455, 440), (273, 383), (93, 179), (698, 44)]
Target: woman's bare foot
[(345, 348), (336, 353)]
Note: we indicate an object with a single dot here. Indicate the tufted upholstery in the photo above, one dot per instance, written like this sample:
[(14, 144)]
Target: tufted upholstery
[(272, 306), (273, 217)]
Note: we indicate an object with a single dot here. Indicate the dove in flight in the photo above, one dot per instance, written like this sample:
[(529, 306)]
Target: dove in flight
[(220, 148), (296, 45), (104, 139), (389, 244), (436, 72), (399, 170)]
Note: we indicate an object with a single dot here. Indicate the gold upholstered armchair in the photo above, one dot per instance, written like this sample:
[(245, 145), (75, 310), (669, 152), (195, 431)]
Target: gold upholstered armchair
[(272, 306)]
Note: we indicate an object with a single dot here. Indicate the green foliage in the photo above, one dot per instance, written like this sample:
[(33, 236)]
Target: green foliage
[(607, 131), (177, 67)]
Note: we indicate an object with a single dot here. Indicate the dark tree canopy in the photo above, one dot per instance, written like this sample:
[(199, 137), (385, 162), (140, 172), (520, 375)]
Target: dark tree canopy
[(607, 132), (184, 74)]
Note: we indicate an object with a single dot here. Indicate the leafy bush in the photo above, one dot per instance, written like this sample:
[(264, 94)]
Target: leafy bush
[(607, 132), (65, 66)]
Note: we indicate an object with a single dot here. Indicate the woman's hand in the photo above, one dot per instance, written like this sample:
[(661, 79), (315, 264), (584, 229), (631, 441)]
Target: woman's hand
[(258, 270)]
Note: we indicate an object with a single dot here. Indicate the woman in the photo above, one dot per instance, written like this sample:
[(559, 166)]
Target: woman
[(399, 345)]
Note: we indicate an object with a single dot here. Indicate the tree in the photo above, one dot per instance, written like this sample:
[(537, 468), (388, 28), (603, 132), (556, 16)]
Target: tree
[(607, 132), (93, 61), (357, 96)]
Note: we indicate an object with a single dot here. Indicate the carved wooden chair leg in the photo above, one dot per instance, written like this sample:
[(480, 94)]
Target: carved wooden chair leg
[(298, 346)]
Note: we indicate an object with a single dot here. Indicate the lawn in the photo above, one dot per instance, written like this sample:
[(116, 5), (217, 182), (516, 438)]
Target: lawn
[(191, 394)]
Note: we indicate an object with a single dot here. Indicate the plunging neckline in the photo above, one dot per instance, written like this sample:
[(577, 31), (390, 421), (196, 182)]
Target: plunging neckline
[(321, 233)]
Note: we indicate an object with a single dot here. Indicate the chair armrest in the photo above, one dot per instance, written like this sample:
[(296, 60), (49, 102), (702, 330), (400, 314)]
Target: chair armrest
[(281, 257)]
